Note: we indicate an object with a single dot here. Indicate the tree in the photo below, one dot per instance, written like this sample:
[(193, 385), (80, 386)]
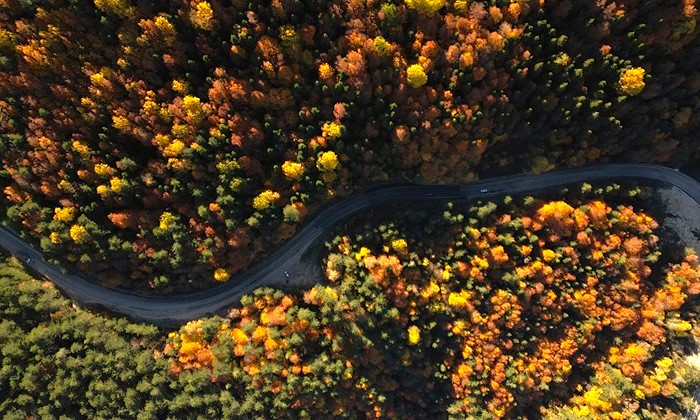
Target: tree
[(265, 200), (632, 81), (327, 161), (415, 76), (425, 7)]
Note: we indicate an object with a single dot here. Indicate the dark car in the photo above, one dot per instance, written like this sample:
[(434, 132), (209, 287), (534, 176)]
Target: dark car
[(25, 258), (286, 273)]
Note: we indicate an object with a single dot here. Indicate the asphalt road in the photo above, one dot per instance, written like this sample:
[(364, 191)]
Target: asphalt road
[(173, 310)]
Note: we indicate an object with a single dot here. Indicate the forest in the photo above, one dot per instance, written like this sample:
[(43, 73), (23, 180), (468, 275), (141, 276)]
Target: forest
[(165, 146), (531, 307), (59, 361)]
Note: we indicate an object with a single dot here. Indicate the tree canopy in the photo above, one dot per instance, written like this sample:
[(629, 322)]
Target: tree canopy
[(179, 133)]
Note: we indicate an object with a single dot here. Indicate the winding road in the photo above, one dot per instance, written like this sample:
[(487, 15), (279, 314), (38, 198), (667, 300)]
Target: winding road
[(174, 310)]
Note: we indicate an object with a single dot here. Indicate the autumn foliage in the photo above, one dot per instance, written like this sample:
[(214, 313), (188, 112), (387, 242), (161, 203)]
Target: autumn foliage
[(555, 307), (238, 119)]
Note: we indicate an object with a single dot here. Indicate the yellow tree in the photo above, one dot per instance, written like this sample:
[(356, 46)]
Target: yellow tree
[(293, 170), (202, 15), (632, 81), (415, 76), (425, 7), (327, 162), (79, 234), (265, 200)]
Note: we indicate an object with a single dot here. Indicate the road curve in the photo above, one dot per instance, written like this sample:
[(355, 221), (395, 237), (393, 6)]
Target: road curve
[(173, 310)]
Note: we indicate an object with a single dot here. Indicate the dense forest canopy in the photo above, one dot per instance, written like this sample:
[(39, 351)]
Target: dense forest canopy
[(169, 145), (558, 309), (530, 308), (58, 361)]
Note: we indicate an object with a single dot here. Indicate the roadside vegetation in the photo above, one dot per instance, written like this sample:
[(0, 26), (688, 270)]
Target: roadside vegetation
[(530, 307), (60, 361), (555, 308), (166, 146)]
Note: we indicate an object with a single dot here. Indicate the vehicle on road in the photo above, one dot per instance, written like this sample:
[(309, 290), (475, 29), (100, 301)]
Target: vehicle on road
[(484, 190), (286, 273), (25, 258)]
